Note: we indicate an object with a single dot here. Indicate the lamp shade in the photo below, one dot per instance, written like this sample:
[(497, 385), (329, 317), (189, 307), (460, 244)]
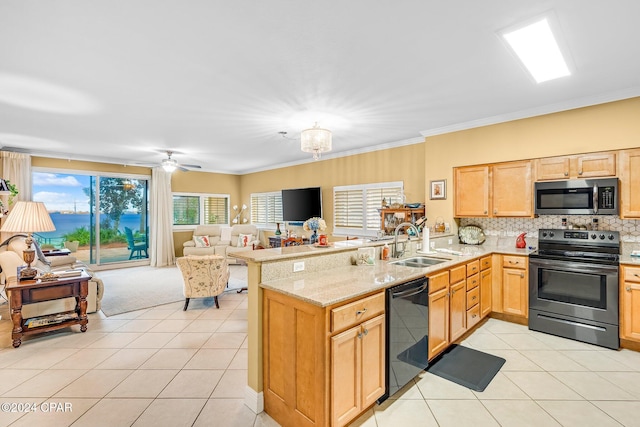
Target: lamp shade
[(315, 140), (28, 217)]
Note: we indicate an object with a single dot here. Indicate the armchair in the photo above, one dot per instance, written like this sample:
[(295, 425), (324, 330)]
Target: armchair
[(203, 276)]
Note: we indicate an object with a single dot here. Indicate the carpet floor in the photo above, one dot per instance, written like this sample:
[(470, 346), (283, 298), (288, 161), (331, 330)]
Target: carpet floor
[(136, 288)]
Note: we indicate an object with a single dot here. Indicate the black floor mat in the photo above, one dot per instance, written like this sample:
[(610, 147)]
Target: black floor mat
[(466, 366)]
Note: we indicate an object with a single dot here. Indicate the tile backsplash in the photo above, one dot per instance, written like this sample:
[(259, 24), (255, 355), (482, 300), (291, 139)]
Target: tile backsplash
[(629, 229)]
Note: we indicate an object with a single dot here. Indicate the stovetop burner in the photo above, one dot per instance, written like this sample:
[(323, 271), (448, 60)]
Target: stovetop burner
[(587, 245)]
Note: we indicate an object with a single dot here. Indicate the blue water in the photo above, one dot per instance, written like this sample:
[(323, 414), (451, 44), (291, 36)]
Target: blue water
[(66, 223)]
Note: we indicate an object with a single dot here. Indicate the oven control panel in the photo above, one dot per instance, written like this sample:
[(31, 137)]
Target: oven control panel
[(559, 235)]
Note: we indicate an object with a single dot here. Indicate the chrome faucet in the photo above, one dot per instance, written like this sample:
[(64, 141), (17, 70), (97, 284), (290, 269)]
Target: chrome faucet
[(396, 253)]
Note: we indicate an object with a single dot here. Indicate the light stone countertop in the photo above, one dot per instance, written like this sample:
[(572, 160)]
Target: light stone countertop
[(341, 284)]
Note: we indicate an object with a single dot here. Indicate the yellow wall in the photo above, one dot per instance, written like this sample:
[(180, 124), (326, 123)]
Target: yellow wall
[(602, 127), (397, 164)]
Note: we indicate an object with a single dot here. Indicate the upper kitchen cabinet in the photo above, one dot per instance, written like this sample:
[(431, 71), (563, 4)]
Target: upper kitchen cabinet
[(471, 191), (630, 183), (579, 166), (499, 190)]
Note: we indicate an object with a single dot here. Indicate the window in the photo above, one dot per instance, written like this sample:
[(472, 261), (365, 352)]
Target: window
[(355, 207), (196, 209), (266, 209)]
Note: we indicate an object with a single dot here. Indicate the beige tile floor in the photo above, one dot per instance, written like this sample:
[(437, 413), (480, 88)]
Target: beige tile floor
[(165, 367)]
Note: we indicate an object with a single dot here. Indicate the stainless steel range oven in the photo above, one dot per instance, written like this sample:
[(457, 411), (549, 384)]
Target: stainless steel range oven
[(573, 285)]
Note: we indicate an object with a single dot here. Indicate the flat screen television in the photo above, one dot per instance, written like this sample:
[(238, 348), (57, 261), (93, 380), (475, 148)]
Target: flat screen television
[(300, 204)]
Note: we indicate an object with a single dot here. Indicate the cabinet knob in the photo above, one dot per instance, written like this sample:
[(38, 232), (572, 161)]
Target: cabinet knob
[(579, 172), (366, 331), (359, 335), (495, 211), (474, 297), (473, 316), (628, 289), (635, 274), (522, 275), (359, 312), (485, 212), (566, 174)]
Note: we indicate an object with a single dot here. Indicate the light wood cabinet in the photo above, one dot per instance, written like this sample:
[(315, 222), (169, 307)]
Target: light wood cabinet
[(630, 183), (630, 303), (357, 374), (512, 189), (499, 190), (515, 285), (322, 365), (485, 286), (458, 310), (438, 313), (577, 166), (471, 191)]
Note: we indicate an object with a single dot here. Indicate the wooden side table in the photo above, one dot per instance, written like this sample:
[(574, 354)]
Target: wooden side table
[(31, 291)]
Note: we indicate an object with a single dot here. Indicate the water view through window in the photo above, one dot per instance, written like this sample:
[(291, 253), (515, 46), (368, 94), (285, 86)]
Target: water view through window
[(101, 219)]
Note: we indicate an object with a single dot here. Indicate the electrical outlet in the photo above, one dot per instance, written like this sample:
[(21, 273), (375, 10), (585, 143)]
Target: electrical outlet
[(298, 266)]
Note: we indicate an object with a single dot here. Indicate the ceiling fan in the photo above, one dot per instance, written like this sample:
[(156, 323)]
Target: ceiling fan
[(169, 164)]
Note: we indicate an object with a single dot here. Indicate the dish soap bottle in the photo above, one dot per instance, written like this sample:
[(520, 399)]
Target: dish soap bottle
[(385, 252)]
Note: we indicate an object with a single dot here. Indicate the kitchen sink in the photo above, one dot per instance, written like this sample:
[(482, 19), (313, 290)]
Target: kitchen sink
[(420, 261)]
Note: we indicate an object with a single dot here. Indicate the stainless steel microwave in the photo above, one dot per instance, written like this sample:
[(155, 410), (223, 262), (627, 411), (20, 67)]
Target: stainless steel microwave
[(577, 197)]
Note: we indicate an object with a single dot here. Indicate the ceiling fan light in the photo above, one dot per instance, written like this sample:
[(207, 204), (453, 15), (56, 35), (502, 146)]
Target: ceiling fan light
[(169, 165), (315, 140)]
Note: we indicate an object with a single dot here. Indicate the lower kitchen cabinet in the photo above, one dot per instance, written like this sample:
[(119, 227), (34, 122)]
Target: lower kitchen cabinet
[(515, 285), (485, 291), (630, 303), (357, 376), (322, 365), (457, 309), (438, 313)]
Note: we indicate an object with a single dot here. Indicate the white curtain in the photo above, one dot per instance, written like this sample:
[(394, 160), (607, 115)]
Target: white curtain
[(16, 167), (161, 210)]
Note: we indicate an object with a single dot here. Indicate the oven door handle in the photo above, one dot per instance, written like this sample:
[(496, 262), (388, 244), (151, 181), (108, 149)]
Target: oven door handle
[(595, 199), (578, 267)]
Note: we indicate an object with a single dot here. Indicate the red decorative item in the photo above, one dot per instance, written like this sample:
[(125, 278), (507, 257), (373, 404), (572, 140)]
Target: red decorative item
[(520, 242)]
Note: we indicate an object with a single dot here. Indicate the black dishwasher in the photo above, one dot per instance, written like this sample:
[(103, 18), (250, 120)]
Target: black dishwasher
[(407, 333)]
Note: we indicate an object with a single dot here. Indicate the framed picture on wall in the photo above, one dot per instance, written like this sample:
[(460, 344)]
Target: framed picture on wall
[(439, 189)]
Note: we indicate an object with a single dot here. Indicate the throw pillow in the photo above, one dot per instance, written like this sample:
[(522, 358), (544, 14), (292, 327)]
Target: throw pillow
[(201, 241), (244, 240)]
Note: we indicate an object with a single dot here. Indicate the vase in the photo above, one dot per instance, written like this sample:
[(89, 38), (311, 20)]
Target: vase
[(278, 232), (314, 237)]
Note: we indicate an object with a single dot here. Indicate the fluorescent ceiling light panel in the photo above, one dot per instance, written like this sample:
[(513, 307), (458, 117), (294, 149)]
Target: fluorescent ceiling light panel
[(538, 50)]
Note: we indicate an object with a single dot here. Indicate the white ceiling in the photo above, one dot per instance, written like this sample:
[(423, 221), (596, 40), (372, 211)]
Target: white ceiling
[(216, 81)]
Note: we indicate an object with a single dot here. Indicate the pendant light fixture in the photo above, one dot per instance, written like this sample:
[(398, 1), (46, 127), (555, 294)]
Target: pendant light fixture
[(315, 140)]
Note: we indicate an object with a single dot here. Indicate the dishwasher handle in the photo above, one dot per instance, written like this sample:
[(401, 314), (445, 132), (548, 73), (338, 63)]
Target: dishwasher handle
[(411, 291)]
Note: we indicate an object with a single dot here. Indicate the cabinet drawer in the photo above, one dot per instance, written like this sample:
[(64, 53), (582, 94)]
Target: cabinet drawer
[(514, 261), (631, 274), (473, 297), (357, 312), (485, 263), (473, 267), (473, 316), (457, 274), (438, 282), (473, 281)]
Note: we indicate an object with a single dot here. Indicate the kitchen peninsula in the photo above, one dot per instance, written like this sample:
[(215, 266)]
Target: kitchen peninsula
[(295, 319)]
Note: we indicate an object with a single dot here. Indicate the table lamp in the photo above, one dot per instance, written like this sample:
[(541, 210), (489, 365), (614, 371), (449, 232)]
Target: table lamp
[(28, 217)]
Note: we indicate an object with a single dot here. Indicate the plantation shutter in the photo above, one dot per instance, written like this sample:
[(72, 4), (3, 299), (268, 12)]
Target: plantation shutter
[(356, 207), (216, 210), (266, 209)]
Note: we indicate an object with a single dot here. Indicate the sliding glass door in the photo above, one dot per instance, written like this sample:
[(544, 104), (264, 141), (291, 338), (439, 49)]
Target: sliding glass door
[(102, 218)]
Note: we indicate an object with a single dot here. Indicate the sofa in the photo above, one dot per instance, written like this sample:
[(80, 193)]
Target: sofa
[(222, 241), (11, 259)]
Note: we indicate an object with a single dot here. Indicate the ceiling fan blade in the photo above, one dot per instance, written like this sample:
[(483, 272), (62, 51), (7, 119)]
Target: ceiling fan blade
[(179, 167), (191, 166)]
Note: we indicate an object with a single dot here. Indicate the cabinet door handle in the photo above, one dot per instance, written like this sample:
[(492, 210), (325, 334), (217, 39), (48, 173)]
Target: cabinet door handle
[(485, 212), (628, 289), (359, 312), (566, 174), (522, 275), (366, 331), (635, 274), (473, 316), (472, 298), (495, 211), (359, 335), (580, 173), (474, 282)]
